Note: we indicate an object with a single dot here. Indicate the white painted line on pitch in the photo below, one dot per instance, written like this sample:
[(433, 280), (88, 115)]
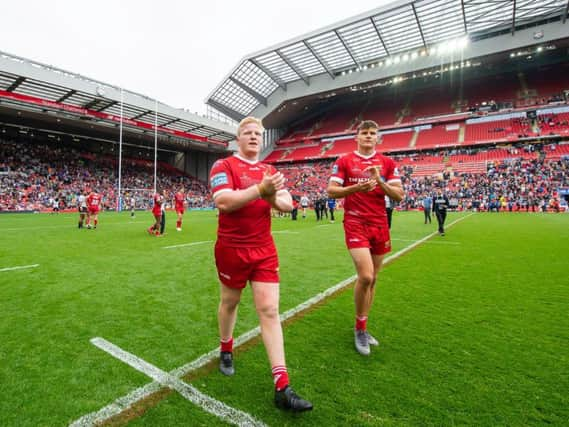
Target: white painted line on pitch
[(19, 267), (207, 403), (284, 232), (187, 244), (122, 403), (431, 243), (324, 225), (72, 225)]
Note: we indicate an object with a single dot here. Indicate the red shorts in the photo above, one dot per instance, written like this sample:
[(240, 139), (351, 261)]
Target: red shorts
[(180, 211), (236, 266), (372, 236), (93, 211)]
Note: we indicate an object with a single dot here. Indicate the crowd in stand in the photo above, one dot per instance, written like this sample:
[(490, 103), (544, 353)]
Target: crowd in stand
[(509, 185), (35, 177)]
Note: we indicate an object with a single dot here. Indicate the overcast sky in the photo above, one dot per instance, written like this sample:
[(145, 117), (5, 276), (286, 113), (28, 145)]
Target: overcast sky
[(174, 50)]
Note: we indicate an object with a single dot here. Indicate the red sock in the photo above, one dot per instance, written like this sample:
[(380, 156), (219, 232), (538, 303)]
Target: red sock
[(178, 224), (227, 345), (87, 222), (96, 222), (361, 323), (280, 377)]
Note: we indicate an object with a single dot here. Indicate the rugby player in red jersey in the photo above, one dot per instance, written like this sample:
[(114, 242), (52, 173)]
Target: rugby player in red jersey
[(244, 191), (157, 212), (364, 177), (179, 203), (93, 207)]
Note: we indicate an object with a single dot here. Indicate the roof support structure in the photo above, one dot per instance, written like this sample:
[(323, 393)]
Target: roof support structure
[(15, 84), (493, 7), (322, 62), (514, 18), (138, 116), (419, 25), (269, 73), (464, 16), (91, 104), (104, 107), (566, 12), (379, 35), (292, 66), (348, 49), (226, 110), (250, 91), (67, 95), (170, 122)]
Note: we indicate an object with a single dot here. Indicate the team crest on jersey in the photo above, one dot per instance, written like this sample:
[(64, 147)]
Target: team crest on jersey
[(396, 172), (219, 179), (335, 169)]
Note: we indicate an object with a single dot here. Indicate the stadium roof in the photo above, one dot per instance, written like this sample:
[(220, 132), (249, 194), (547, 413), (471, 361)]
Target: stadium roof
[(399, 27), (31, 84)]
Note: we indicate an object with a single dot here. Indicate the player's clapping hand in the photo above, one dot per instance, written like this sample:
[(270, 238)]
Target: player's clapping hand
[(366, 186), (271, 184), (374, 172)]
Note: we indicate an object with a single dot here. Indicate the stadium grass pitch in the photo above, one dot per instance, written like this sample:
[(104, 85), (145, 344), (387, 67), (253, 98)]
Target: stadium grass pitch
[(473, 326)]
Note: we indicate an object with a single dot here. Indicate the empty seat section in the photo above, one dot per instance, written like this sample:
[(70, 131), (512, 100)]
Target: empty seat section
[(336, 122), (305, 152), (487, 131), (437, 136), (342, 147), (396, 141), (427, 103)]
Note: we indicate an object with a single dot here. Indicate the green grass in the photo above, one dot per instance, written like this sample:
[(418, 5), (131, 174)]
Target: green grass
[(473, 326)]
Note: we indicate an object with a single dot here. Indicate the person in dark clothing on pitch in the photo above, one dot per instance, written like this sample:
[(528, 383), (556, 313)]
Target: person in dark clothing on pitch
[(389, 210), (440, 205)]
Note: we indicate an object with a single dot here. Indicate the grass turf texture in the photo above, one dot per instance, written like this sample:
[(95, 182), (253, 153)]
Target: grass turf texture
[(473, 326)]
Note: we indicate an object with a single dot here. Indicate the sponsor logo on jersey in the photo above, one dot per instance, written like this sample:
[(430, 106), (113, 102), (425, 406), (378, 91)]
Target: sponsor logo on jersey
[(219, 179), (396, 172)]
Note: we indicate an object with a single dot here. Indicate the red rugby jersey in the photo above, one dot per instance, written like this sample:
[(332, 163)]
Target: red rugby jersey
[(93, 200), (179, 199), (349, 170), (249, 226)]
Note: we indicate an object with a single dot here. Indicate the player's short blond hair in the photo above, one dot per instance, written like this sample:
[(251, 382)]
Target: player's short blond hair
[(367, 124), (248, 120)]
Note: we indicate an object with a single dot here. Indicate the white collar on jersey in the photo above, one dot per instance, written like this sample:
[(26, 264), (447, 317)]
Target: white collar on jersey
[(365, 157), (251, 162)]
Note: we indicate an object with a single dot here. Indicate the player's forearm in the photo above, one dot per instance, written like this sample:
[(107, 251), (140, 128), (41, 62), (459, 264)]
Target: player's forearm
[(282, 201), (336, 192), (394, 191), (230, 201)]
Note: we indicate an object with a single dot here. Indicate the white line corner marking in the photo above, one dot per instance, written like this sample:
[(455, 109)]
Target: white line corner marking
[(209, 404), (20, 267)]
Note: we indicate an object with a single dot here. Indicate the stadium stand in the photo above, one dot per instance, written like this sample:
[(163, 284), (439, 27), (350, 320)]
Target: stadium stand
[(33, 176), (520, 178)]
